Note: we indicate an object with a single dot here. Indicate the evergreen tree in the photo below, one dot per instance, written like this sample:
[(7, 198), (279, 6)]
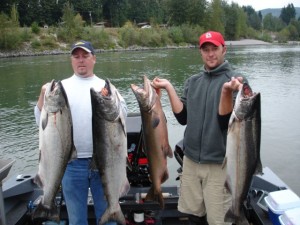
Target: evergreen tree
[(272, 23), (253, 19), (196, 12), (288, 13), (217, 16), (177, 12), (231, 24)]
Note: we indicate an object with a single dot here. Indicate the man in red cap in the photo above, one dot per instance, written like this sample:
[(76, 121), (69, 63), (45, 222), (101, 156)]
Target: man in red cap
[(205, 108)]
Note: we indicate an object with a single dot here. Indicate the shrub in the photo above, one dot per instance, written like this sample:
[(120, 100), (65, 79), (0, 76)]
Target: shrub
[(36, 44), (175, 33), (26, 35), (49, 42), (128, 35), (35, 28), (99, 37), (10, 38)]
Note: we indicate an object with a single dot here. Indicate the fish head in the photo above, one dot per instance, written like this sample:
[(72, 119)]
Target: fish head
[(247, 102), (55, 97), (146, 95), (109, 105)]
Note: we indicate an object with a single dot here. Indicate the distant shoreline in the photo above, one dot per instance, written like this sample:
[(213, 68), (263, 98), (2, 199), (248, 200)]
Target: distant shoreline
[(247, 42), (244, 42)]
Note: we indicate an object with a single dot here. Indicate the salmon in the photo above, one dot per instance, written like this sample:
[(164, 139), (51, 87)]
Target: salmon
[(155, 133), (56, 148), (242, 159), (110, 149)]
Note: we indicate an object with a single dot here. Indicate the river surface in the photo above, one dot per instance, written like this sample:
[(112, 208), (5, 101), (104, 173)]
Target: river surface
[(273, 70)]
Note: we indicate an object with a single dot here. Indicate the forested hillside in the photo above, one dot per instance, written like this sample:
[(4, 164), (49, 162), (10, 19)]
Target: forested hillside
[(276, 12), (44, 24)]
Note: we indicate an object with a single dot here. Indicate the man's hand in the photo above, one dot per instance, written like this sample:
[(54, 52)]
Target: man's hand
[(104, 91), (234, 84)]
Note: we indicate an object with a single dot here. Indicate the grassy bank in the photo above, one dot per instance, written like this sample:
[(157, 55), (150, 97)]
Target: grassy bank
[(19, 41), (55, 39)]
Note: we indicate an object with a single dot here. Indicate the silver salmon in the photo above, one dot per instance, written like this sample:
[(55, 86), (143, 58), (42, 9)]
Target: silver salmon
[(56, 148), (110, 149), (156, 140), (242, 158)]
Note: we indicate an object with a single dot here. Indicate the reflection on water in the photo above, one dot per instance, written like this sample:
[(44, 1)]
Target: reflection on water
[(271, 70)]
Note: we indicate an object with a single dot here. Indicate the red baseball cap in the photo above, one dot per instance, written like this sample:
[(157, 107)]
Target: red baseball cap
[(213, 37)]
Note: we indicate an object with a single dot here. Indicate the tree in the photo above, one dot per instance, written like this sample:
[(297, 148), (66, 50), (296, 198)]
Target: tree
[(28, 12), (242, 23), (217, 16), (138, 11), (231, 23), (51, 12), (288, 13), (272, 23), (253, 19), (14, 15), (97, 12), (9, 34), (72, 24), (177, 12), (5, 6), (115, 11), (196, 12)]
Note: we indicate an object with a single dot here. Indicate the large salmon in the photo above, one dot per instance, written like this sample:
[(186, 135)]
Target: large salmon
[(242, 158), (155, 134), (56, 148), (110, 149)]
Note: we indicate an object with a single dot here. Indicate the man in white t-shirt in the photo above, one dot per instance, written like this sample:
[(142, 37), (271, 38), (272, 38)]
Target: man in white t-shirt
[(79, 175)]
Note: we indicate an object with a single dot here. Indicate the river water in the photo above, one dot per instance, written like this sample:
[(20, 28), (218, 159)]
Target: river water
[(272, 70)]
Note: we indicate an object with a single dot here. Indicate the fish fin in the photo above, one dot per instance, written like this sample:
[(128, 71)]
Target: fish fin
[(43, 213), (128, 164), (232, 118), (123, 123), (125, 188), (227, 187), (168, 151), (224, 162), (165, 176), (155, 120), (259, 169), (44, 122), (73, 153), (150, 194), (113, 214), (37, 180)]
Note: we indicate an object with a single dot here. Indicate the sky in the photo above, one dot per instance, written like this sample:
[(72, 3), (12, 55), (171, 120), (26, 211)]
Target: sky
[(265, 4)]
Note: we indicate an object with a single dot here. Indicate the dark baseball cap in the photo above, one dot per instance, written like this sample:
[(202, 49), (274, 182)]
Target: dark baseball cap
[(85, 45)]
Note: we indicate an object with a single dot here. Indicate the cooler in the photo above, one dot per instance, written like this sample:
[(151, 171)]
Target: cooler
[(290, 217), (280, 201)]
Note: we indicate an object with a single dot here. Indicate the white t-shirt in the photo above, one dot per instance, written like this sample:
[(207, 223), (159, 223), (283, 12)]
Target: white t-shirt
[(78, 93)]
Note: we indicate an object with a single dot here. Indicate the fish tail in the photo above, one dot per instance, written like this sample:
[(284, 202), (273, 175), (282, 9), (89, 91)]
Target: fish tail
[(230, 217), (155, 196), (238, 220), (161, 200), (43, 213), (112, 215), (37, 180)]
